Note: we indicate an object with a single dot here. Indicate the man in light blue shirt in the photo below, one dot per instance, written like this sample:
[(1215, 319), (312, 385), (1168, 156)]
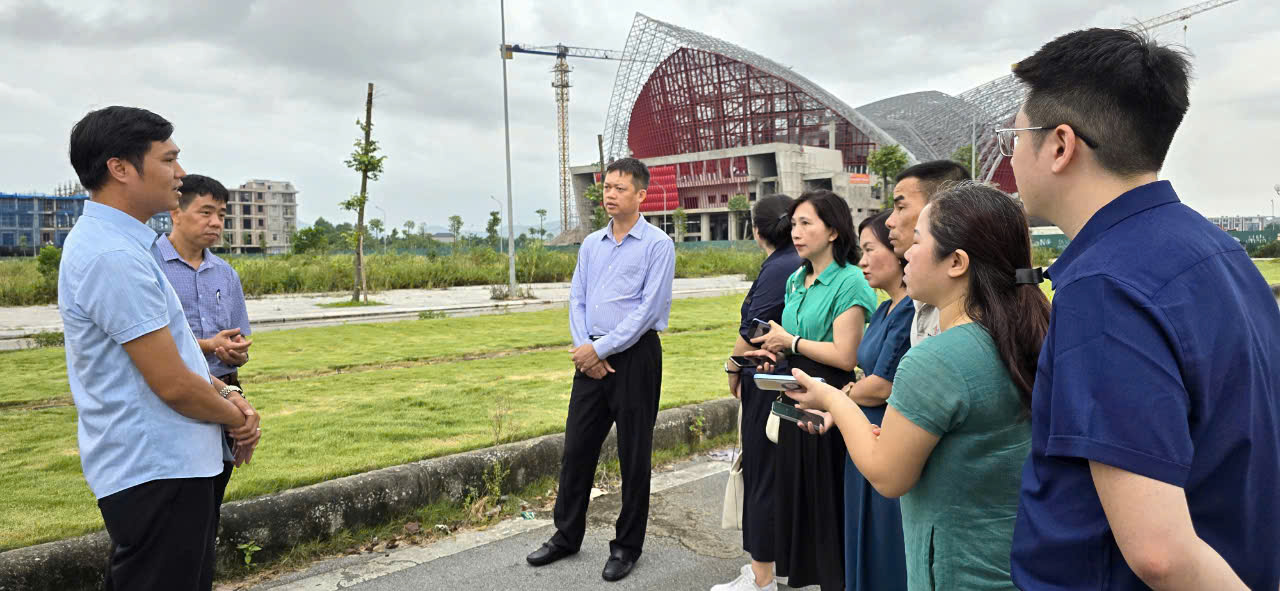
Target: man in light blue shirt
[(620, 299), (150, 417)]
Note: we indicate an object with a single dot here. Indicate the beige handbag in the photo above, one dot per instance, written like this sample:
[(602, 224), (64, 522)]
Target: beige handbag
[(731, 514), (771, 427)]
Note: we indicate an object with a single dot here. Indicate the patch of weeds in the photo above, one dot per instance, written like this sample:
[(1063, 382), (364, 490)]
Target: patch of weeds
[(698, 426), (500, 422), (350, 304), (431, 314), (46, 339), (248, 549), (503, 292), (420, 526)]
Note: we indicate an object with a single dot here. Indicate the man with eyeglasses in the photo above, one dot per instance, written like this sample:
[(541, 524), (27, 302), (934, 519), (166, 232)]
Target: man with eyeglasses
[(1155, 414)]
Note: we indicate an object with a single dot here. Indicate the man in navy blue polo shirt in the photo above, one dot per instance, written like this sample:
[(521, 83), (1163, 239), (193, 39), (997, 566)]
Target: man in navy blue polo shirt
[(1155, 456)]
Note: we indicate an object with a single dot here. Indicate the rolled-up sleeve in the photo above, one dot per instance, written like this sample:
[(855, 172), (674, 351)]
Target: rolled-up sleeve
[(123, 295), (655, 300)]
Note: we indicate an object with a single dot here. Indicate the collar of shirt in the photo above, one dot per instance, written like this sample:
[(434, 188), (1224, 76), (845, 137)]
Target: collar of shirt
[(781, 252), (1130, 203), (125, 222), (828, 274), (637, 231), (170, 253)]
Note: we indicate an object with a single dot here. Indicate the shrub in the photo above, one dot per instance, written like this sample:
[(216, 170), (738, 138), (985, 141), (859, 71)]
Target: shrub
[(1267, 251)]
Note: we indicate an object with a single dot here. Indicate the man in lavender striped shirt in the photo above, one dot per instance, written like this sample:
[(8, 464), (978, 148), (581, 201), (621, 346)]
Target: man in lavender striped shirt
[(208, 287), (210, 293), (620, 299)]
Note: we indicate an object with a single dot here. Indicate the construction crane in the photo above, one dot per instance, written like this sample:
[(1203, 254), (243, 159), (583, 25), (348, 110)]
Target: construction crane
[(1180, 15), (560, 82)]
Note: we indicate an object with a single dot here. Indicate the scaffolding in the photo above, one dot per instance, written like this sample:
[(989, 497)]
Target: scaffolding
[(649, 45)]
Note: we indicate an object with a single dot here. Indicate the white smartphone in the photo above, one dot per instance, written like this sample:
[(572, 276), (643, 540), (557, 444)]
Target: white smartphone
[(779, 382)]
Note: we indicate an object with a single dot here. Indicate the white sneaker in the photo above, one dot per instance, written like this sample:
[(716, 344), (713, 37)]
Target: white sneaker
[(746, 581)]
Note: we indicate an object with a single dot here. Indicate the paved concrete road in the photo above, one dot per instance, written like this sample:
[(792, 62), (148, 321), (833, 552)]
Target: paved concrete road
[(685, 549)]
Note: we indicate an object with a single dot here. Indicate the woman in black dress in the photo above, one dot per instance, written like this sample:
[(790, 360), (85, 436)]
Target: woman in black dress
[(771, 223)]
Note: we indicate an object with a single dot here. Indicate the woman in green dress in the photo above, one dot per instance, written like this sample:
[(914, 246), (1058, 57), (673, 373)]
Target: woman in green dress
[(827, 303), (956, 434)]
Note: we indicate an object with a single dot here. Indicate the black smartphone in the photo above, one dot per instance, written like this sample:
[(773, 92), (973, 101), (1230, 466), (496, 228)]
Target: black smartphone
[(795, 415), (743, 362), (758, 328)]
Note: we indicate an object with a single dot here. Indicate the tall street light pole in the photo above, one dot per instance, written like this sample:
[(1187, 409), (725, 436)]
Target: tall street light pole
[(506, 130)]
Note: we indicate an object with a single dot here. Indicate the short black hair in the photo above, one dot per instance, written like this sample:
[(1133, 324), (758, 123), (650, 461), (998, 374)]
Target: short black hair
[(833, 210), (113, 132), (638, 171), (933, 174), (1119, 88), (195, 185), (772, 218)]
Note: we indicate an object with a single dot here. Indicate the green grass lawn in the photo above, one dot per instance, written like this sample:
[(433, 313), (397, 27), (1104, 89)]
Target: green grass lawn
[(348, 399)]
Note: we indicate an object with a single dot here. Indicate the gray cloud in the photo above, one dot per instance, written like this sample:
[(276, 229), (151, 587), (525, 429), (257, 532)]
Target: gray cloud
[(273, 88)]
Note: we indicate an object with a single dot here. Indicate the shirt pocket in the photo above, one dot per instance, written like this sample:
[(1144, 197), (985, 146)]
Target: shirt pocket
[(221, 312), (628, 281)]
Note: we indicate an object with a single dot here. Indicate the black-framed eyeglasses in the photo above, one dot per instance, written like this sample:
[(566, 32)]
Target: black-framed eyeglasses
[(1008, 137)]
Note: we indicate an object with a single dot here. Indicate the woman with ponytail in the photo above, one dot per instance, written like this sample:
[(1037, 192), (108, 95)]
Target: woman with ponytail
[(955, 434), (771, 224)]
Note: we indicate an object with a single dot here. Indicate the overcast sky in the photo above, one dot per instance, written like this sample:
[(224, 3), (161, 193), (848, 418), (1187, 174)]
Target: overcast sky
[(272, 89)]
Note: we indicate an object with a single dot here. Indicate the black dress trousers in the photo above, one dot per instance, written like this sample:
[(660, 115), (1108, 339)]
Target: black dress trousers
[(629, 398)]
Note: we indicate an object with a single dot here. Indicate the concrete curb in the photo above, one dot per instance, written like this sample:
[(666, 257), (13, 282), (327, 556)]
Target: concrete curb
[(279, 521)]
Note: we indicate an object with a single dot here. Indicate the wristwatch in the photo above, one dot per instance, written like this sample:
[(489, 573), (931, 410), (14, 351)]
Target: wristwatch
[(227, 390)]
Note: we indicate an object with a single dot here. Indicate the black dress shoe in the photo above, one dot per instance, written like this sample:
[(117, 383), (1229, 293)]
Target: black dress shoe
[(548, 554), (617, 568)]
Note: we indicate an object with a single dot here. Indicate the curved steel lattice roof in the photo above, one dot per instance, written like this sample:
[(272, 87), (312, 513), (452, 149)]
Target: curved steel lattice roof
[(928, 125), (933, 124), (696, 101), (651, 42)]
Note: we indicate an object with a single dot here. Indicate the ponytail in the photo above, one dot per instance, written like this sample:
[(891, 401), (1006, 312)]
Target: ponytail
[(1004, 296), (772, 219)]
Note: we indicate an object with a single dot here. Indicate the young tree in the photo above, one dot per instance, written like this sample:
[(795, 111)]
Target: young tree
[(365, 160), (964, 157), (491, 231), (737, 205), (455, 228), (542, 218), (679, 218), (408, 227), (376, 227), (886, 163), (599, 217)]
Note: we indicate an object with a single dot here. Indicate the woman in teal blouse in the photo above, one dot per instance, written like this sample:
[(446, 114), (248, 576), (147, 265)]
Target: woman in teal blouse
[(955, 434), (827, 303)]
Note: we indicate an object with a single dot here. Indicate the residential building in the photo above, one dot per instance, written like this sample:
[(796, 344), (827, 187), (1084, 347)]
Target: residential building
[(261, 217), (161, 222), (1242, 223), (29, 221)]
